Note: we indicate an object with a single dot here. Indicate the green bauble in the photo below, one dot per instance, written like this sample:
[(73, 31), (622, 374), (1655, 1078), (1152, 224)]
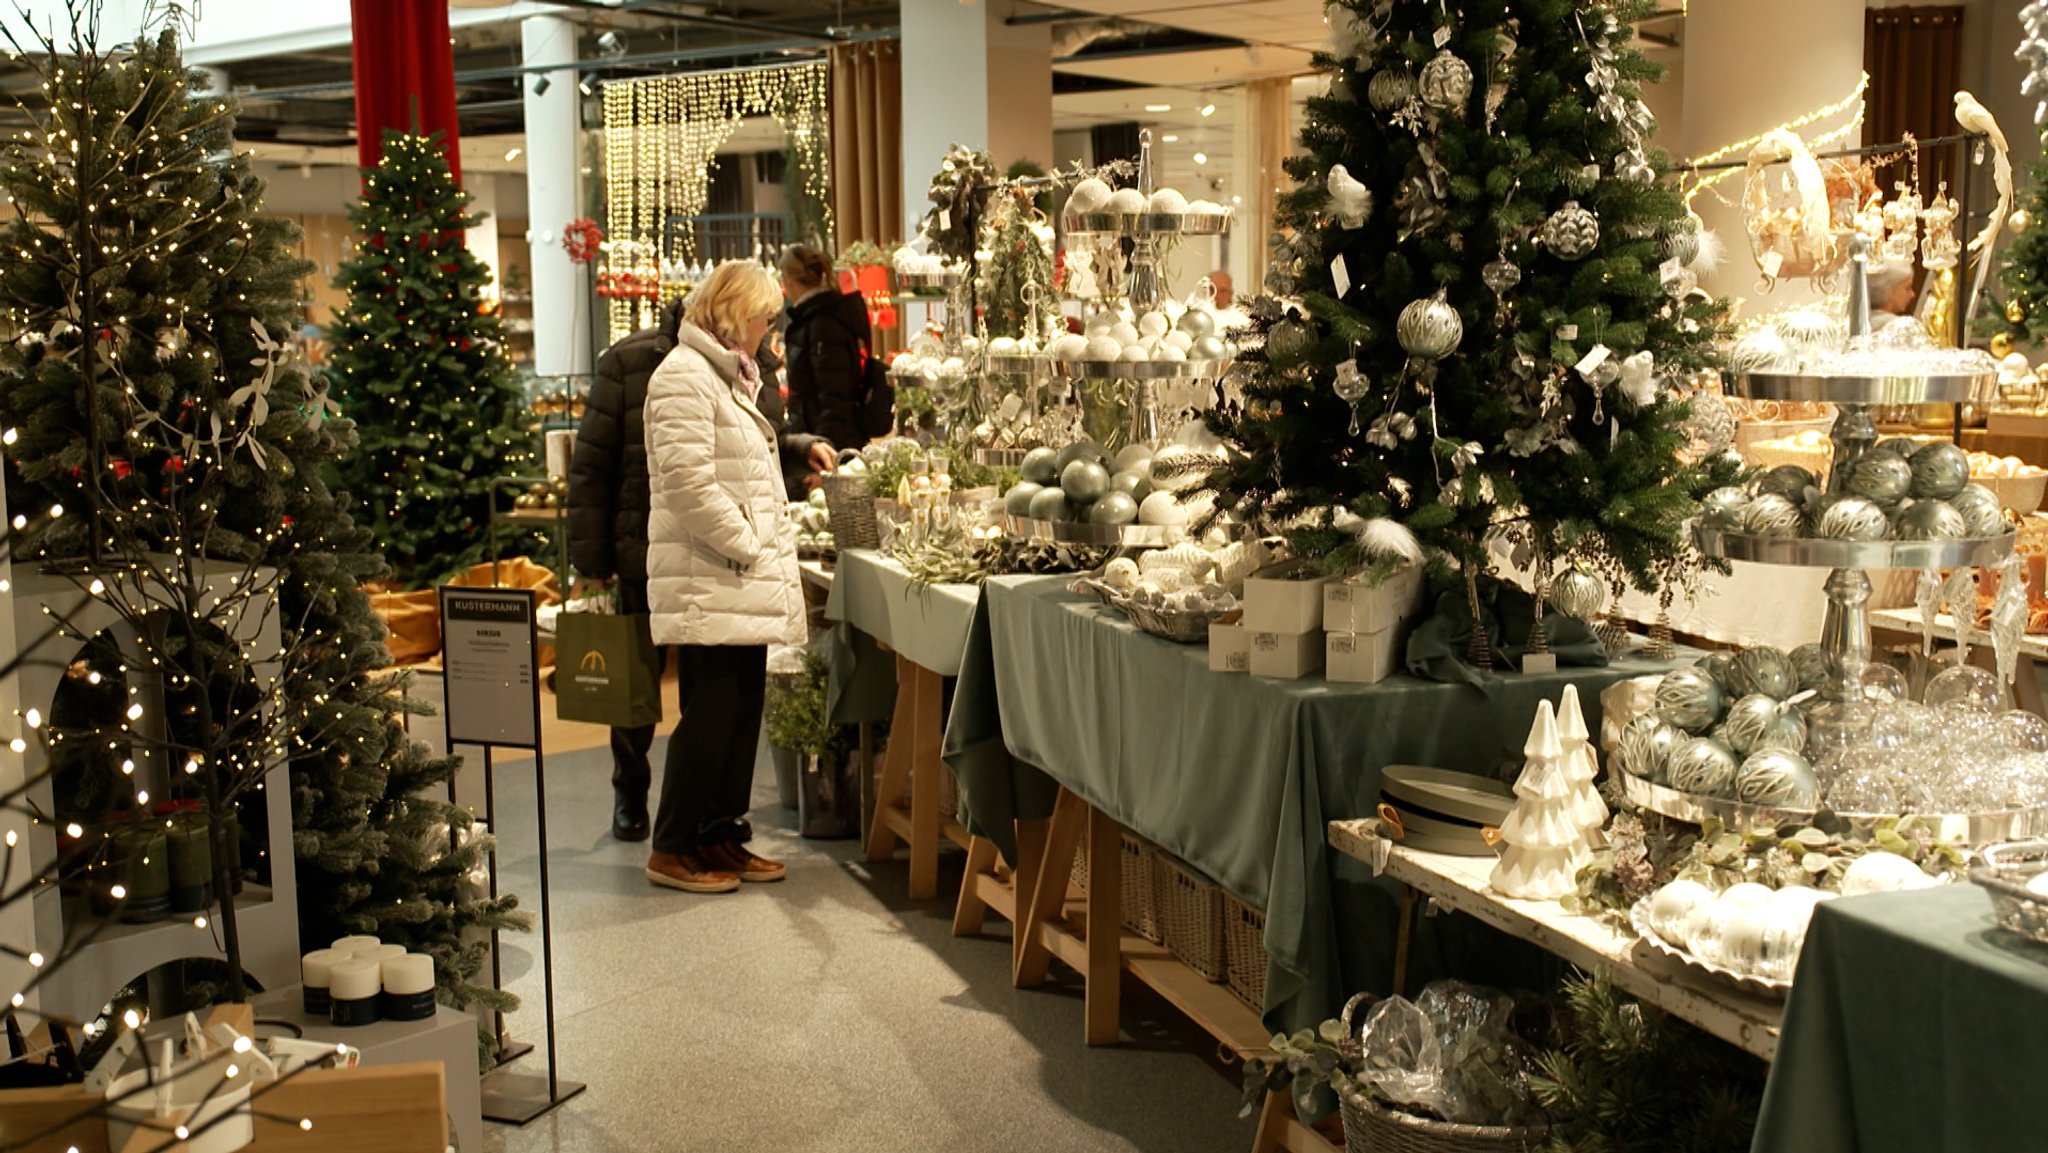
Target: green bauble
[(1017, 502), (1721, 667), (1929, 520), (1084, 481), (1041, 466), (1645, 745), (1748, 720), (1772, 515), (1787, 480), (1810, 665), (1689, 699), (1079, 450), (1787, 732), (1050, 504), (1135, 485), (1722, 508), (1702, 766), (1763, 669), (1902, 447), (1940, 471), (1880, 477), (1289, 341), (1113, 508), (1778, 778)]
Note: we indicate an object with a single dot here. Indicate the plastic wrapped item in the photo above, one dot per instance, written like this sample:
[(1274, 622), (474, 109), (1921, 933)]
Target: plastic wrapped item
[(1451, 1053)]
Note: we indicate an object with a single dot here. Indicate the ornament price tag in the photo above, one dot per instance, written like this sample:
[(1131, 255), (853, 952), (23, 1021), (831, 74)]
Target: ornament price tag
[(1567, 332), (1594, 359), (1443, 36), (945, 219), (1770, 262), (1341, 274)]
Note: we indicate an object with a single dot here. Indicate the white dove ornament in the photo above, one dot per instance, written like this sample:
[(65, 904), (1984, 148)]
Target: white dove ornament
[(1351, 199)]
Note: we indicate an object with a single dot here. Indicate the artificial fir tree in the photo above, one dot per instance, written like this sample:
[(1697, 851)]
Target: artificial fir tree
[(213, 440), (1490, 305), (421, 368), (1546, 843), (1019, 264)]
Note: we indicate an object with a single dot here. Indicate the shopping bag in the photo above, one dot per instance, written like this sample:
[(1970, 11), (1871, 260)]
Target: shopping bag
[(606, 671)]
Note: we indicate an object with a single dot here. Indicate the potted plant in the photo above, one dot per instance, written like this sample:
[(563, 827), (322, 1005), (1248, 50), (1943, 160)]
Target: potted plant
[(798, 719)]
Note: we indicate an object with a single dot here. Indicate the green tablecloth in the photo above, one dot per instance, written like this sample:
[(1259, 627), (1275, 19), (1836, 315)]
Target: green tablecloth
[(1915, 1024), (1237, 775), (875, 604)]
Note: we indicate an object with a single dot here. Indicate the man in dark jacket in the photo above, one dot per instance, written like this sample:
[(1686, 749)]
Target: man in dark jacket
[(827, 343), (608, 515)]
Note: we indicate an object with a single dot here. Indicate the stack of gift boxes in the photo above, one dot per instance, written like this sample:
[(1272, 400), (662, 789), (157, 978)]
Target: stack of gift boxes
[(1298, 620)]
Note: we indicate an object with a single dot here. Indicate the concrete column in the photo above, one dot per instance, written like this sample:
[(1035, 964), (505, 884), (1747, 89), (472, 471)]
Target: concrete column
[(1741, 81), (945, 92), (554, 130), (1020, 79)]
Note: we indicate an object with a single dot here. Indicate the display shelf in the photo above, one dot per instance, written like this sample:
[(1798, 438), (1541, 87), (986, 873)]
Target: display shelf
[(1139, 369), (1815, 552), (1868, 390), (1098, 535), (1135, 224), (1964, 828)]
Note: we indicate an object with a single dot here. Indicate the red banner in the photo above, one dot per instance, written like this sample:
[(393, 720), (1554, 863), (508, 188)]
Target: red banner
[(404, 75)]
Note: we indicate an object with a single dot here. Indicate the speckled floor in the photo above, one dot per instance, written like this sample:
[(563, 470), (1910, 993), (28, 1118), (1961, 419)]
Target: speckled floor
[(824, 1014)]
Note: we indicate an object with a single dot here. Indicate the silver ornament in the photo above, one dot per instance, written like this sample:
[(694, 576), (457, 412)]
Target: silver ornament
[(1766, 670), (1350, 385), (1902, 447), (1209, 348), (1710, 424), (1880, 477), (1702, 766), (1979, 519), (2019, 221), (1683, 245), (1197, 322), (1689, 699), (1571, 233), (1787, 480), (1288, 342), (1787, 732), (1940, 471), (1430, 329), (1645, 746), (1776, 777), (1722, 508), (1721, 666), (1929, 520), (1772, 515), (1501, 275), (1389, 89), (1577, 593), (1446, 83), (1748, 720), (1852, 518), (1810, 665)]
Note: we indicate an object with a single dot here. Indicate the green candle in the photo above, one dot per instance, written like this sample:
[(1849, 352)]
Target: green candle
[(191, 853), (145, 871)]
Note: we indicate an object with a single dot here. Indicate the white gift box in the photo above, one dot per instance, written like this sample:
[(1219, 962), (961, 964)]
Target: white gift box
[(1357, 607), (1288, 656), (1362, 658), (1285, 598), (1230, 649)]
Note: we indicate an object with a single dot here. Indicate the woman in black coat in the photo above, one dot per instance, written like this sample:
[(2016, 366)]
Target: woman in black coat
[(827, 344)]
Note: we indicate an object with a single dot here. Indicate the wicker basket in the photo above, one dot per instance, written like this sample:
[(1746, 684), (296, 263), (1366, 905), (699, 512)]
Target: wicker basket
[(1371, 1127), (1077, 877), (1244, 951), (1140, 912), (949, 794), (1191, 918), (851, 504)]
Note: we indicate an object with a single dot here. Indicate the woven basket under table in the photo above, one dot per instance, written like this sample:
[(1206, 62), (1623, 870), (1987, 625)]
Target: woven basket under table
[(850, 504), (1244, 951), (1371, 1127), (949, 794), (1191, 918), (1140, 912)]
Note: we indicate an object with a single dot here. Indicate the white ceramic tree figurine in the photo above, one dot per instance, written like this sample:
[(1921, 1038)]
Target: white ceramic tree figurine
[(1545, 844), (1582, 766)]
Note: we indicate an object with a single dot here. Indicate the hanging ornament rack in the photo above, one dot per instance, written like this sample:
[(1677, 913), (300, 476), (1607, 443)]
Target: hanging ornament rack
[(1845, 628)]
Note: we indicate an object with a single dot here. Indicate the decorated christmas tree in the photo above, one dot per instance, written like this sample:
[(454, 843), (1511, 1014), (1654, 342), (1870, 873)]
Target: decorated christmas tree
[(2024, 274), (421, 369), (213, 440), (1488, 314), (1019, 265), (1546, 845)]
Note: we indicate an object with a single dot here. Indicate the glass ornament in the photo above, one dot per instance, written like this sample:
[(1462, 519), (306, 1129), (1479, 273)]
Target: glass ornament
[(1288, 342), (1965, 688), (1501, 275), (1779, 778), (1747, 721), (1572, 232), (1446, 83), (1722, 508), (1787, 480), (1389, 89), (1810, 665), (1852, 518), (1939, 471), (1702, 766), (1672, 906), (1706, 924), (1772, 515), (1882, 683), (1787, 732), (1645, 745), (1721, 667), (1929, 520), (1766, 670), (1689, 699), (1709, 424), (1577, 593), (1879, 477), (2023, 730), (1430, 329)]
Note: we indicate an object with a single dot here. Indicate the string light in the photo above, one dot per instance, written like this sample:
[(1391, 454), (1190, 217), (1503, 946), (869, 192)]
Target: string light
[(1741, 147)]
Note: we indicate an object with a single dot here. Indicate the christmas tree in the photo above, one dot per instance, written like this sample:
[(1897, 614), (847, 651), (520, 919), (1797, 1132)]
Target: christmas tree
[(421, 369), (2024, 273), (1546, 845), (1491, 307), (1019, 264), (213, 440)]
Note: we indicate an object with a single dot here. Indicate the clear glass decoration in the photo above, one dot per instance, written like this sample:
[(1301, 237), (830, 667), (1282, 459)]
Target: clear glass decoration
[(1941, 248), (1965, 688), (1902, 226)]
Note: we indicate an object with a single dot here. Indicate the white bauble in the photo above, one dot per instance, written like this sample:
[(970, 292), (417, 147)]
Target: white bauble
[(1005, 346), (1882, 872), (1205, 208), (1099, 324), (1121, 573), (1154, 324), (1672, 905), (1134, 458), (1162, 508), (1126, 200), (1070, 347), (1746, 893), (1103, 348), (1124, 333), (1170, 353), (1089, 195), (1134, 354), (1167, 202), (1180, 340)]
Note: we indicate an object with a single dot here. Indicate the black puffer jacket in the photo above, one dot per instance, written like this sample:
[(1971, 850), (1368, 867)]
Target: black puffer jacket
[(608, 469), (827, 337)]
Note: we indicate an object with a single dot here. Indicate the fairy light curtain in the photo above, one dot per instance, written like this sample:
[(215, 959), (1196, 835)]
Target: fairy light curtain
[(662, 136)]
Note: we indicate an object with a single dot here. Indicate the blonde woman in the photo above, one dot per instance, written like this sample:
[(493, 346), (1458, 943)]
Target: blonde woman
[(721, 575)]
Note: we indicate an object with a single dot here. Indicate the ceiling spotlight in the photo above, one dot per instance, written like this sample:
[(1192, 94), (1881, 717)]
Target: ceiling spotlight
[(512, 154), (1201, 158), (611, 45), (1159, 108), (541, 84), (1208, 110), (583, 85)]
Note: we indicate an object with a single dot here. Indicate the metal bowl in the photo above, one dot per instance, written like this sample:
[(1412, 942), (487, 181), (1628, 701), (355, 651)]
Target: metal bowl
[(1150, 223), (1968, 389), (1816, 552)]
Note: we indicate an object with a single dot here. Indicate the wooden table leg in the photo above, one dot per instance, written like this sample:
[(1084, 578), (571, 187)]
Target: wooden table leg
[(1049, 888), (1404, 938), (1103, 1010), (2026, 687), (1272, 1118), (1030, 862), (927, 737), (896, 762), (970, 910)]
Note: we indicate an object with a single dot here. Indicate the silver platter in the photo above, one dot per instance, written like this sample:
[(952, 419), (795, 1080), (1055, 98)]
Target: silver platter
[(1032, 366), (1969, 389), (1967, 829), (1139, 369), (1099, 535), (1639, 920), (1150, 223), (1814, 552), (1001, 457), (929, 281)]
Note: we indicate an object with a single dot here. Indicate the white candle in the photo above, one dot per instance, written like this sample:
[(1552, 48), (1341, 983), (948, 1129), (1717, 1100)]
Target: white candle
[(380, 953), (355, 979), (316, 965), (354, 945), (408, 974)]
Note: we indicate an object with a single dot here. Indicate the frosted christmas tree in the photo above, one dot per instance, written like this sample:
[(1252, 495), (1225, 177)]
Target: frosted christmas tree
[(1582, 765), (1547, 845)]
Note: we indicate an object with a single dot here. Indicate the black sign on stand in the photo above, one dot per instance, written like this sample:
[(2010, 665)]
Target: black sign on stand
[(490, 685)]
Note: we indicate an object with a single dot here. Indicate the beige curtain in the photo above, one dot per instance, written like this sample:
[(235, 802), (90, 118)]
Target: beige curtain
[(1269, 114), (867, 143)]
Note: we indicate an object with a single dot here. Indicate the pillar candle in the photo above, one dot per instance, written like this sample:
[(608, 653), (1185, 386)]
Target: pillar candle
[(315, 970), (379, 953), (354, 945), (408, 987), (354, 985)]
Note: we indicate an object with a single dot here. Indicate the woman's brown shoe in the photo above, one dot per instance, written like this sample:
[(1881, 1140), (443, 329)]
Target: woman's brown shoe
[(688, 873), (736, 859)]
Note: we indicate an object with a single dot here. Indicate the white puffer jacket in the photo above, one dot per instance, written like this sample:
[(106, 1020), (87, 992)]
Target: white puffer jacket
[(721, 556)]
